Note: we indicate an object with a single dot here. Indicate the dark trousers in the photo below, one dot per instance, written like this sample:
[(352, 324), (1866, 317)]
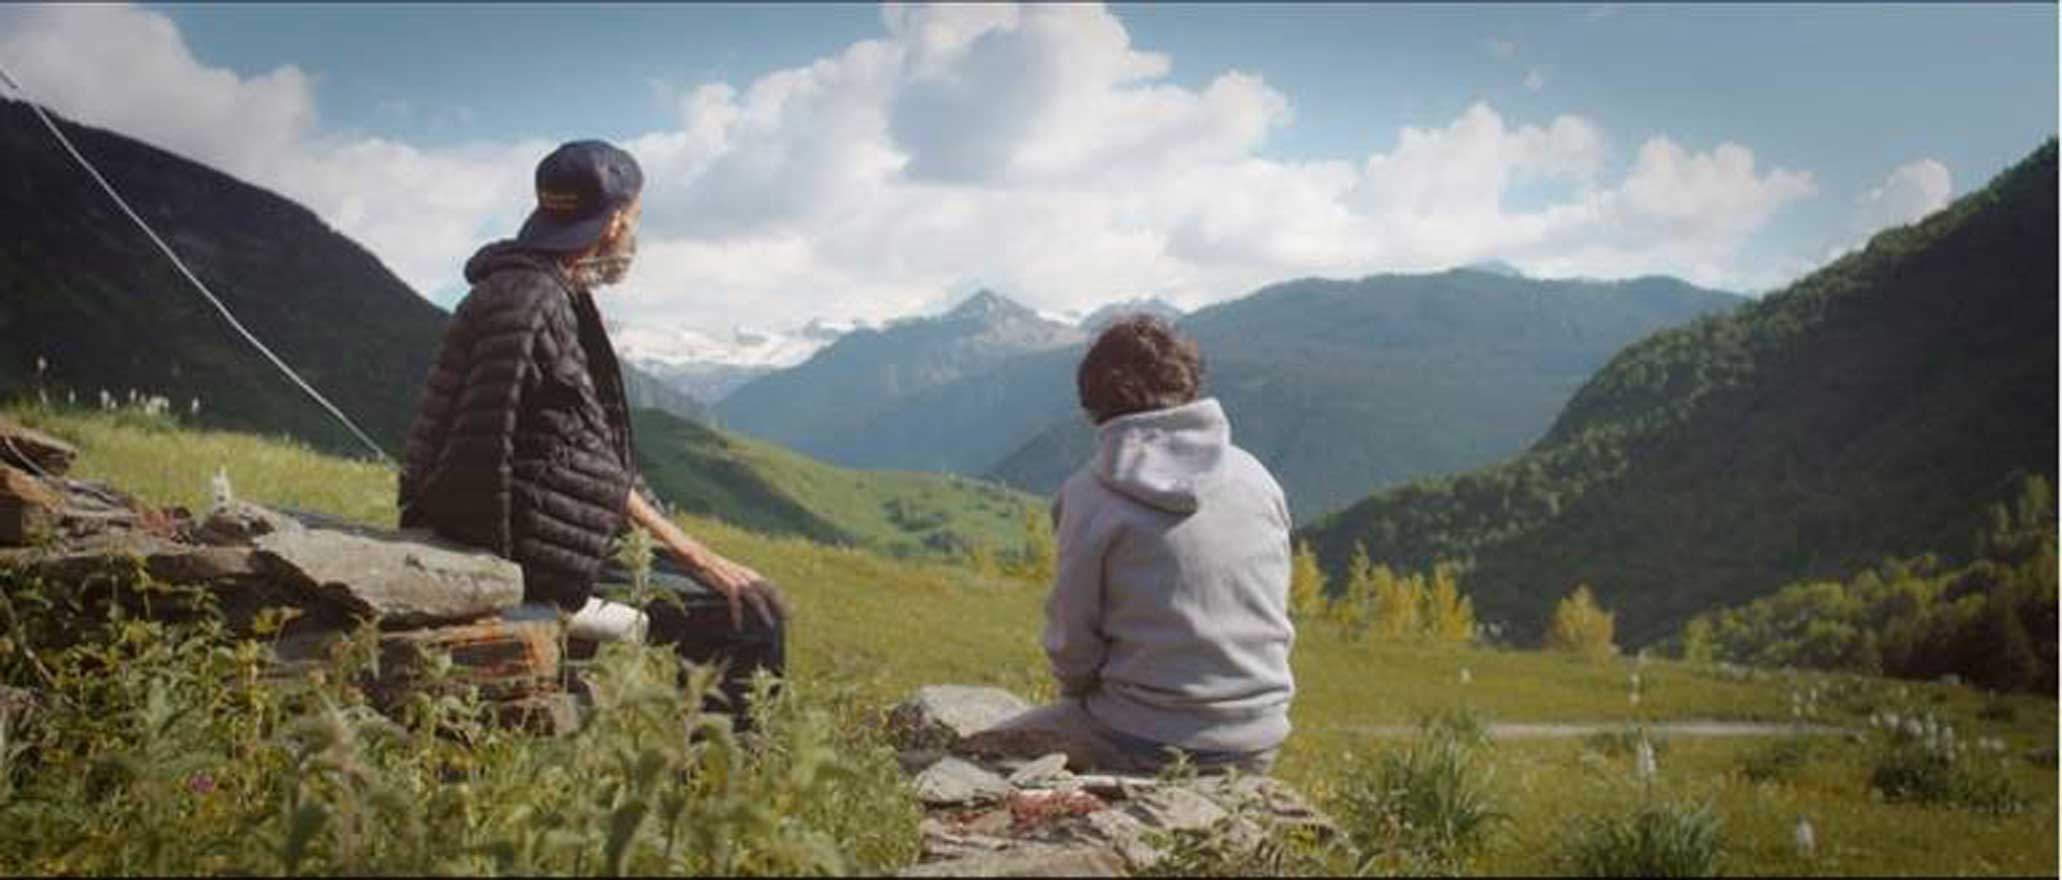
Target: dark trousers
[(695, 621)]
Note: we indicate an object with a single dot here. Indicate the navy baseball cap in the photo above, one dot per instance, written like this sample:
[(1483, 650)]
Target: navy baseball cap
[(578, 186)]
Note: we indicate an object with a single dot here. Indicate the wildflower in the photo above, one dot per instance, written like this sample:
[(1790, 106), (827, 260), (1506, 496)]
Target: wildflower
[(1634, 680), (1643, 762), (220, 486), (1807, 840), (1466, 676), (200, 783)]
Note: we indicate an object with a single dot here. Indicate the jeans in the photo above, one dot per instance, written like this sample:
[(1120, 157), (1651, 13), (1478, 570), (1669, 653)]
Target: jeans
[(1092, 746), (695, 621)]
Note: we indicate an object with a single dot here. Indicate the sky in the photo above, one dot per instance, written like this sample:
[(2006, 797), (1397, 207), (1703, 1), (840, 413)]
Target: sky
[(849, 161)]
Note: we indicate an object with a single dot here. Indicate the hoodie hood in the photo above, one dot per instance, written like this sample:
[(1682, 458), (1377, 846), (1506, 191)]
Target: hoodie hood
[(1165, 458), (507, 255)]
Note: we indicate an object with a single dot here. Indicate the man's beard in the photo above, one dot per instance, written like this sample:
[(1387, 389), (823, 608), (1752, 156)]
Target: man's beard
[(608, 265)]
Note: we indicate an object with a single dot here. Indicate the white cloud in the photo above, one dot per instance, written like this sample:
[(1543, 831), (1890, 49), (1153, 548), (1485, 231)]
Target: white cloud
[(128, 69), (1032, 149), (1535, 79), (1910, 192)]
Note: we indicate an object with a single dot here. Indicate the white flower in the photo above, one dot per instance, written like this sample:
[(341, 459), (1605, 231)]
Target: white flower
[(1643, 762), (42, 366), (1466, 676), (1807, 840), (194, 408), (220, 486)]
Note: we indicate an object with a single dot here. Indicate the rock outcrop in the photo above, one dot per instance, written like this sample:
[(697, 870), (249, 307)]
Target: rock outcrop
[(1002, 817), (426, 595)]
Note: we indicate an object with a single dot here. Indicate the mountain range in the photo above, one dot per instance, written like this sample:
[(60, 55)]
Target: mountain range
[(1338, 386), (1874, 408)]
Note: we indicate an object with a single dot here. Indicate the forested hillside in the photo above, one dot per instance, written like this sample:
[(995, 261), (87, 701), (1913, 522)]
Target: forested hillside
[(83, 292), (1876, 407)]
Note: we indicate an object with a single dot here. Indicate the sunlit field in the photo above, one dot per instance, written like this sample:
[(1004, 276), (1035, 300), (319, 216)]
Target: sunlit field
[(869, 628)]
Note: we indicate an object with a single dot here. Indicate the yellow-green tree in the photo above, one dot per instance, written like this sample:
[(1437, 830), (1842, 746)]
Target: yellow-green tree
[(1580, 626), (1448, 616), (1038, 559), (1356, 603), (1306, 584), (1395, 602), (981, 558)]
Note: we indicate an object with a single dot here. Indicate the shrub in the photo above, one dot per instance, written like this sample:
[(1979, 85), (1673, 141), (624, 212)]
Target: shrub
[(1778, 759), (1655, 839), (1426, 807), (1581, 627), (1914, 773), (160, 747)]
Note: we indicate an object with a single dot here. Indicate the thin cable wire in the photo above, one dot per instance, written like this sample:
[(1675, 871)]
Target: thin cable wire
[(181, 264)]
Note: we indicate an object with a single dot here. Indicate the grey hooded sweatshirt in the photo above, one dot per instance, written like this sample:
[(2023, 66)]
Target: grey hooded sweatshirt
[(1169, 612)]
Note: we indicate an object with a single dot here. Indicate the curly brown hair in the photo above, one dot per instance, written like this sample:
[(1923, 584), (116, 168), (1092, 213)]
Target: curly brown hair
[(1139, 363)]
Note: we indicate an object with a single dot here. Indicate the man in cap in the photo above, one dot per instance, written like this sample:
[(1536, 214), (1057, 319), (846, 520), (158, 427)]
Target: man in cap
[(522, 444)]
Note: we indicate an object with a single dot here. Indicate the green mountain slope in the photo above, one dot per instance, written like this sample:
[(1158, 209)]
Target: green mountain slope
[(1341, 387), (83, 290), (769, 489), (1873, 408)]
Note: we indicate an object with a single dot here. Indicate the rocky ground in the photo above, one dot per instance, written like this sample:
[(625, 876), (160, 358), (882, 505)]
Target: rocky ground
[(323, 577), (1035, 817)]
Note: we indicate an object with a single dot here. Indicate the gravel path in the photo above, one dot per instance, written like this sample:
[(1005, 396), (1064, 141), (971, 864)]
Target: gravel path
[(1553, 730)]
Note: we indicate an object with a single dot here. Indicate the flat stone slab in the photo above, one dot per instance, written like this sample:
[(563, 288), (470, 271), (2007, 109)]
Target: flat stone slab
[(26, 447), (955, 781), (403, 578), (939, 716), (29, 510), (1028, 860), (1042, 772)]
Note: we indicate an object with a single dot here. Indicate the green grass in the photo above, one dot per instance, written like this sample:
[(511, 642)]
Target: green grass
[(876, 627), (774, 490)]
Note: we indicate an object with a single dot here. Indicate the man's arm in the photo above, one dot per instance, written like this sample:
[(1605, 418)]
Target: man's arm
[(1074, 642), (736, 582), (468, 483)]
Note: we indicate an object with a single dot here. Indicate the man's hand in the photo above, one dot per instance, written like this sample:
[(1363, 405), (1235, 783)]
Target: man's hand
[(741, 585), (737, 583)]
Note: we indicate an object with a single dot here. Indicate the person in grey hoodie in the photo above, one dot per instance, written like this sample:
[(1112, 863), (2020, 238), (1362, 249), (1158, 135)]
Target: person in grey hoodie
[(1167, 628)]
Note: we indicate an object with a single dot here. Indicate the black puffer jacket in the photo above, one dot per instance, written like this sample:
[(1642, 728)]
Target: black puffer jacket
[(522, 443)]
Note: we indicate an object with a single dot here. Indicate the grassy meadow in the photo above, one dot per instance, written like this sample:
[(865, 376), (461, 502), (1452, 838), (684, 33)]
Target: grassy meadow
[(868, 628)]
